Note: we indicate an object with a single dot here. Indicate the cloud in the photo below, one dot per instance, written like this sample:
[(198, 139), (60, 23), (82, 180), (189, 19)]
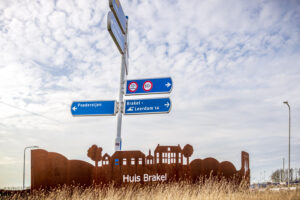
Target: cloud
[(232, 63)]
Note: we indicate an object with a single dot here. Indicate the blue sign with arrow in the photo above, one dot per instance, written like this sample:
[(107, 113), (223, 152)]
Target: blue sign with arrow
[(149, 86), (86, 108), (115, 32), (147, 106), (116, 7)]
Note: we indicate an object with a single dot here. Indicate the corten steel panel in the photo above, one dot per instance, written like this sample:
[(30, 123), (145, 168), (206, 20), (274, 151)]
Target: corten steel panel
[(47, 169), (57, 166), (39, 168), (50, 169), (245, 169), (227, 170), (80, 172), (197, 170), (210, 167)]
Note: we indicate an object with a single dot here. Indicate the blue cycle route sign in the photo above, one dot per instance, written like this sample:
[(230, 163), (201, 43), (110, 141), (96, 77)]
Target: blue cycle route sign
[(115, 32), (116, 8), (147, 106), (92, 108), (149, 86)]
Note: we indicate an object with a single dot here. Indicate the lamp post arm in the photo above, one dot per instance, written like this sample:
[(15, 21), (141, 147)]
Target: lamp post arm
[(289, 142), (24, 168), (287, 103), (24, 163)]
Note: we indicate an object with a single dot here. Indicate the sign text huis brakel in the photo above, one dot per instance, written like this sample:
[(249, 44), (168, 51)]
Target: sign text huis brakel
[(146, 178)]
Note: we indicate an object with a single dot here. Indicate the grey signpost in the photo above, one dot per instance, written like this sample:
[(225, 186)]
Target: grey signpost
[(118, 141), (117, 26)]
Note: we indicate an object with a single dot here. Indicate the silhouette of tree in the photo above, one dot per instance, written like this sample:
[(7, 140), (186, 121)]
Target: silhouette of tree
[(187, 152), (95, 153)]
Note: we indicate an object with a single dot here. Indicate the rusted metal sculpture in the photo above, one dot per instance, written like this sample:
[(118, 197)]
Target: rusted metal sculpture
[(50, 169), (95, 153), (187, 152)]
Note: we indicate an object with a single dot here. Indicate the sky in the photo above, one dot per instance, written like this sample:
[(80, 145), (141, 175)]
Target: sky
[(233, 63)]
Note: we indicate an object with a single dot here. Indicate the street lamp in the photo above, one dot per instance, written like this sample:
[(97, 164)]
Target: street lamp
[(287, 103), (30, 147), (282, 174)]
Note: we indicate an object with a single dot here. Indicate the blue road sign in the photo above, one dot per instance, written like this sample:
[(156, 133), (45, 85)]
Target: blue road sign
[(147, 106), (116, 8), (115, 32), (149, 86), (85, 108)]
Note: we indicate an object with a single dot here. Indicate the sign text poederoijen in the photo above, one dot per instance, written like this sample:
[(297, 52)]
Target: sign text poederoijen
[(93, 108)]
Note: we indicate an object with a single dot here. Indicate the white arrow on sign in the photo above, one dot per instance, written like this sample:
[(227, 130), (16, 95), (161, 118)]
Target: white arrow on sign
[(74, 108), (167, 104), (168, 84)]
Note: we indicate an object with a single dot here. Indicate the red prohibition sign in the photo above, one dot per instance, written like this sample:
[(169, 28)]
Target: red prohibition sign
[(147, 86), (133, 86)]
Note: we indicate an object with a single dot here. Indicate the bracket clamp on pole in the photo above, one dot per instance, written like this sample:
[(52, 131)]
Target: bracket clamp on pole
[(117, 107), (122, 107)]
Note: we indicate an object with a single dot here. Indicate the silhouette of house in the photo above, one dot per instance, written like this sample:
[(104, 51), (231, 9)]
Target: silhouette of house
[(168, 154), (105, 159), (128, 158), (149, 159)]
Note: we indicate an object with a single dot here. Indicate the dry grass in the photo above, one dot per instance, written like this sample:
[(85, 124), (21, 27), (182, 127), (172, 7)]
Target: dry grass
[(210, 190)]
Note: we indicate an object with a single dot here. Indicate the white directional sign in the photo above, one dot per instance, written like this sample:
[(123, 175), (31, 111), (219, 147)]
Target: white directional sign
[(90, 108), (147, 106), (115, 32), (116, 8)]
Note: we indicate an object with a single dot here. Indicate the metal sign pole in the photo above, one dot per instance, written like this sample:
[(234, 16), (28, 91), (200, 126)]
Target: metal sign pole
[(118, 141)]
